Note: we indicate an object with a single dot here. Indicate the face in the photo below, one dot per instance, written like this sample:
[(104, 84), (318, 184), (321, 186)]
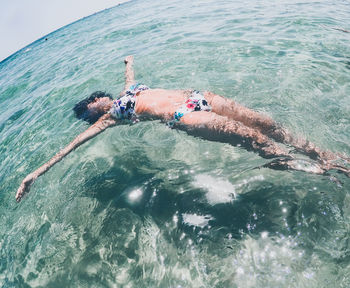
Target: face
[(100, 105)]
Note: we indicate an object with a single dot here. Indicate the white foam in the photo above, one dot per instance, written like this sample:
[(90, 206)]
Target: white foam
[(221, 190), (135, 195), (218, 190), (196, 220)]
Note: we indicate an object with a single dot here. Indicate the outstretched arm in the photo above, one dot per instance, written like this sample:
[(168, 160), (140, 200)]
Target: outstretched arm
[(129, 73), (102, 124)]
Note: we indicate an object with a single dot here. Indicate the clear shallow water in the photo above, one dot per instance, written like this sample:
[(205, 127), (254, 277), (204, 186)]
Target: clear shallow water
[(146, 206)]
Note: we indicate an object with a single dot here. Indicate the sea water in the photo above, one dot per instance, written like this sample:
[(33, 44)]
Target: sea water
[(148, 206)]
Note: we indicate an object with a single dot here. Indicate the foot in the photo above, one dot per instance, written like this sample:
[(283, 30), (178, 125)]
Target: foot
[(296, 164)]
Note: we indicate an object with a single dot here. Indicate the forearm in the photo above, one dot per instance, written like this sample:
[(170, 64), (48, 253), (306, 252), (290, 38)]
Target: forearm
[(103, 123), (57, 158), (129, 72), (79, 140)]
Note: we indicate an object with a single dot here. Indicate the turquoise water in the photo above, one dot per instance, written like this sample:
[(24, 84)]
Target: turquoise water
[(147, 206)]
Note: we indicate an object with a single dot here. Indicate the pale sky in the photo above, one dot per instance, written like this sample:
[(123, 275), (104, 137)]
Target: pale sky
[(24, 21)]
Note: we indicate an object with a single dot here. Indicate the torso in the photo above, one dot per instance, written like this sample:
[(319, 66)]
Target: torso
[(160, 103)]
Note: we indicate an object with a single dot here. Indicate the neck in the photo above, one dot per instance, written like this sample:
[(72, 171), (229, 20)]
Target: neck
[(105, 107), (108, 106)]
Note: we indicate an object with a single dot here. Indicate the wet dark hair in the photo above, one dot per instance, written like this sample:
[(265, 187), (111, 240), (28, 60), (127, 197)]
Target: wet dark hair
[(81, 109)]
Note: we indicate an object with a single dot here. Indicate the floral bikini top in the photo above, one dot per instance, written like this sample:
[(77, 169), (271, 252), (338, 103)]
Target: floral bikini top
[(124, 107)]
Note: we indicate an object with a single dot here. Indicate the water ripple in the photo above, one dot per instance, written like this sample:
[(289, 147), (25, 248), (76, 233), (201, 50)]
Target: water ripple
[(148, 206)]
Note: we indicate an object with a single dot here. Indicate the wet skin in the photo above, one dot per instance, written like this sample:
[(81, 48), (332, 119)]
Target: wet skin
[(228, 122)]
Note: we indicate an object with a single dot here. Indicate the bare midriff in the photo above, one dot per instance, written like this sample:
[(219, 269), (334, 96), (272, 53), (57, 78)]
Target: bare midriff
[(160, 102)]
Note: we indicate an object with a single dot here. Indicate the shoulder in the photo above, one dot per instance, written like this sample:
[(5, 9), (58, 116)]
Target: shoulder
[(105, 121)]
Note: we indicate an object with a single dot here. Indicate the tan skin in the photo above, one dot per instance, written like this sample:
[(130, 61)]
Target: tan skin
[(227, 122)]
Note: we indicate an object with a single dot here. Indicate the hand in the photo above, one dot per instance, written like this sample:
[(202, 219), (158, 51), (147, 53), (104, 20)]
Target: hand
[(129, 59), (25, 185)]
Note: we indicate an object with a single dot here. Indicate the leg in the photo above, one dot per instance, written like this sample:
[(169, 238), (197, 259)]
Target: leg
[(295, 164), (267, 126), (231, 109), (212, 126), (306, 166), (215, 127), (129, 73)]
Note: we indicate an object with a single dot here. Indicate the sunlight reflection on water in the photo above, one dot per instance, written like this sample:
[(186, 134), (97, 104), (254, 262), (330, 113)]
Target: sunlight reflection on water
[(148, 206)]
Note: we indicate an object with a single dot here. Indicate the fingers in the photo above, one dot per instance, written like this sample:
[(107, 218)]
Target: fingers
[(20, 192), (24, 188), (129, 59)]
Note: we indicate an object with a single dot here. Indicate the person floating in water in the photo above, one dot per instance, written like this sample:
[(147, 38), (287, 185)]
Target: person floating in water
[(202, 114)]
